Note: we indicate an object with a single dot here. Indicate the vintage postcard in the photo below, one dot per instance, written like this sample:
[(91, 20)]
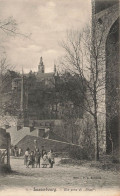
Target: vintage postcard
[(59, 97)]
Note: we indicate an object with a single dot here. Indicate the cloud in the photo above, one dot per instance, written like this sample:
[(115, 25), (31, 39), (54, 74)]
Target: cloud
[(47, 21), (51, 4)]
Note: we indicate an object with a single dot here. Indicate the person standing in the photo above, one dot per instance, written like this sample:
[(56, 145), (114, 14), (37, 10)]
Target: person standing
[(12, 151), (43, 151), (19, 151), (31, 159), (51, 158), (45, 160), (37, 157), (26, 156), (15, 151)]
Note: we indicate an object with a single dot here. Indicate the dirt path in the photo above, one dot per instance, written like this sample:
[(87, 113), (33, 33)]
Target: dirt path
[(59, 177)]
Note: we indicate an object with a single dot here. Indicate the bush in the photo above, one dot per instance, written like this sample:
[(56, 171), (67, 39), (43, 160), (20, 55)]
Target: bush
[(5, 169), (81, 153), (70, 161), (116, 157)]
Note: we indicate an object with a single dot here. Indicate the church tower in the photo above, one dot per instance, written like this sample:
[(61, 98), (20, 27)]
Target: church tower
[(55, 71), (41, 66)]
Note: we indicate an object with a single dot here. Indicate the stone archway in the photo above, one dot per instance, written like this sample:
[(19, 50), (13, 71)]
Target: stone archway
[(107, 19), (112, 84)]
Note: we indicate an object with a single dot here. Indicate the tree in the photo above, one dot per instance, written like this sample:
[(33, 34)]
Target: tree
[(70, 99), (3, 78), (84, 57), (8, 27), (6, 78)]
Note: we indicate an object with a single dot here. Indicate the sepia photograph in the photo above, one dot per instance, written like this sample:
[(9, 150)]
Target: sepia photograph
[(59, 97)]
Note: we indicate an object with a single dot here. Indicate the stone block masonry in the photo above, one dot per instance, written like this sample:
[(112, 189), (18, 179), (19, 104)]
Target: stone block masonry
[(56, 146)]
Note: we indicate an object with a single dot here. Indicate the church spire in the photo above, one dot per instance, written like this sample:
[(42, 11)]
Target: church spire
[(55, 70), (41, 66)]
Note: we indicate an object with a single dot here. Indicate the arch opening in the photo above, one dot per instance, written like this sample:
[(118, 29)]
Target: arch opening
[(112, 88)]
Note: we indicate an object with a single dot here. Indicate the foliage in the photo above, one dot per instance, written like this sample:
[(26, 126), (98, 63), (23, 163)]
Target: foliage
[(105, 166), (81, 153), (69, 89), (5, 169), (84, 57), (9, 27), (6, 77)]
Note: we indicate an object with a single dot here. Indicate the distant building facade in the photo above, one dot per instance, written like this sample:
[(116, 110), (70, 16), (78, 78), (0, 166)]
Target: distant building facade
[(47, 79), (32, 93)]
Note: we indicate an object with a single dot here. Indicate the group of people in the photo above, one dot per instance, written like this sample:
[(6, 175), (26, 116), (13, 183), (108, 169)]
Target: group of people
[(35, 158), (3, 154), (15, 151)]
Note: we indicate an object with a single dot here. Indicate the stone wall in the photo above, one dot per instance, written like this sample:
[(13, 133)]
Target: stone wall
[(56, 146), (103, 22)]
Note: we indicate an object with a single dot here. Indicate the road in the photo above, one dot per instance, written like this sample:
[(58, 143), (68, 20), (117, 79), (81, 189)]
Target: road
[(61, 177)]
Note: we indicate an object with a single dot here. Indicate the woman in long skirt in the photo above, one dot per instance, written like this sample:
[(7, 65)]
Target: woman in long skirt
[(45, 161), (37, 157), (26, 156)]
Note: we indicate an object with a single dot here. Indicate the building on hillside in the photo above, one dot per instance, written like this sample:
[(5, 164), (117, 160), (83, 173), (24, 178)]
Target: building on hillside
[(31, 92), (47, 79), (42, 101), (38, 98)]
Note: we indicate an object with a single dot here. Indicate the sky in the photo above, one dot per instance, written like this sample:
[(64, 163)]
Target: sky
[(46, 21)]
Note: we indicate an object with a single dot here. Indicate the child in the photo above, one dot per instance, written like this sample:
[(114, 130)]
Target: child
[(31, 159), (45, 160)]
